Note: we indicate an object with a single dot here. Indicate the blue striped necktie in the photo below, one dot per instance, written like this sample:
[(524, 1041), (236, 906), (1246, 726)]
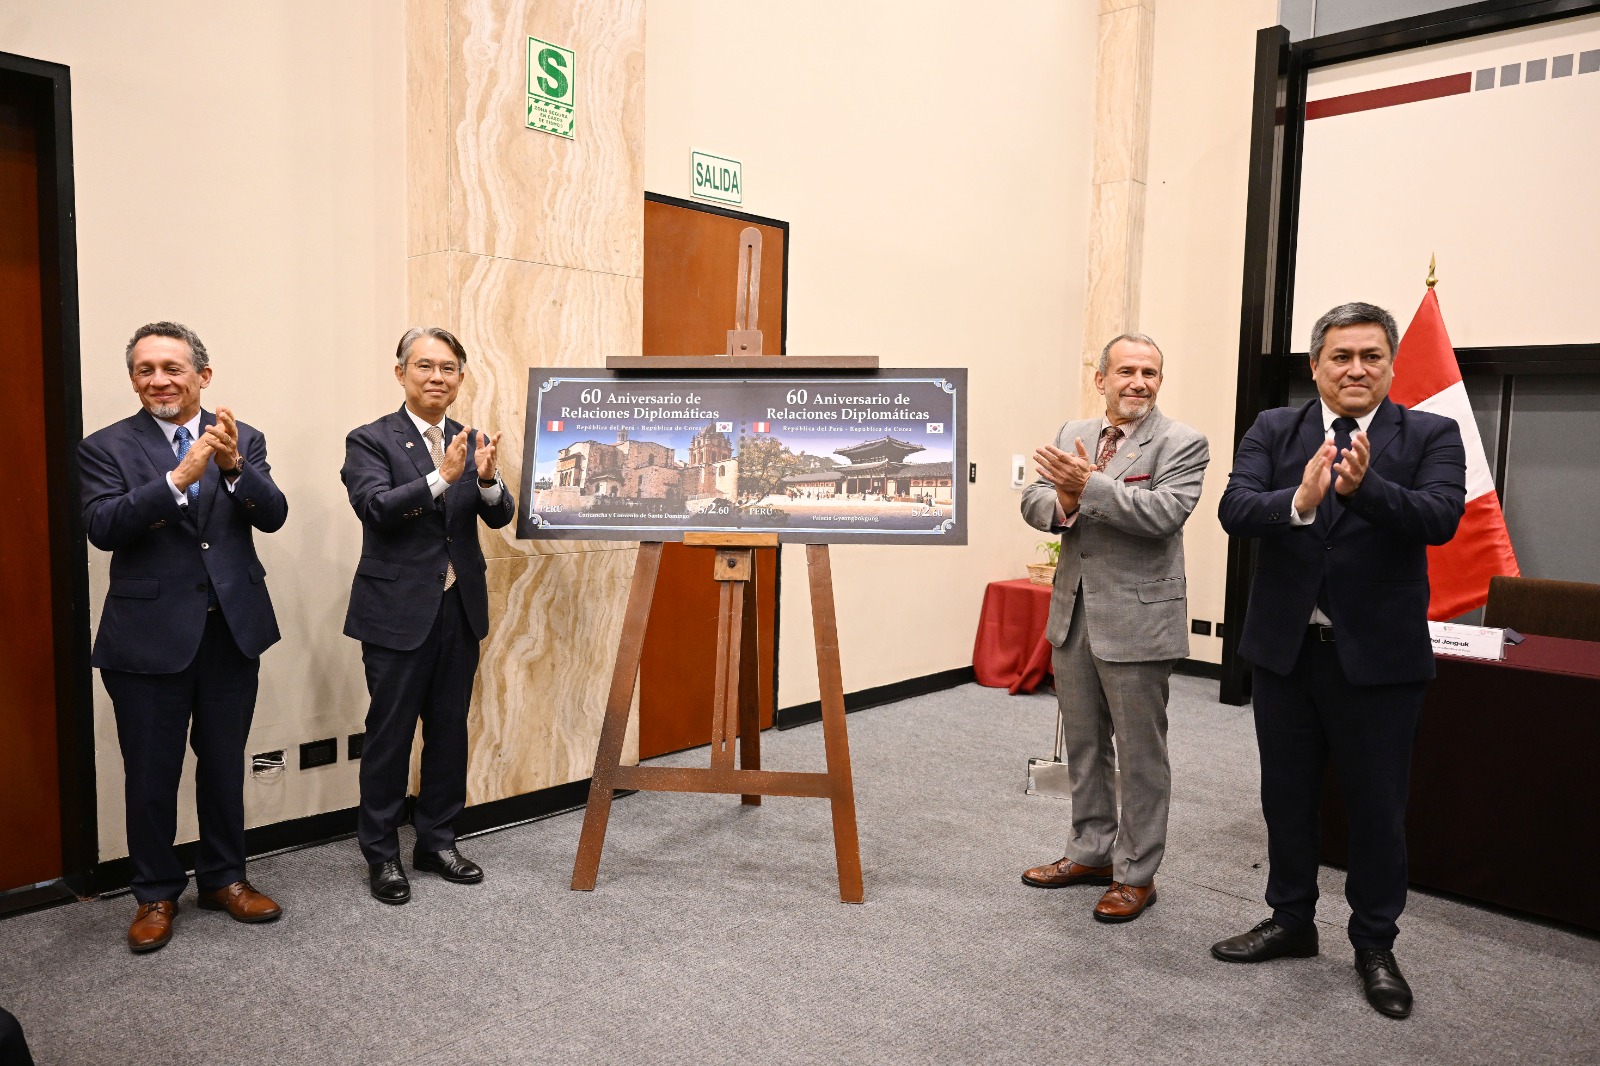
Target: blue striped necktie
[(181, 435)]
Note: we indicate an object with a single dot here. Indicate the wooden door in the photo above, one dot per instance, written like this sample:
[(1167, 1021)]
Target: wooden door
[(30, 782), (691, 259)]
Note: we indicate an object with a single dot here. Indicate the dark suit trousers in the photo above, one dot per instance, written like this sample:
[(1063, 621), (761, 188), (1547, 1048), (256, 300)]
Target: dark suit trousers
[(433, 683), (13, 1046), (211, 702), (1302, 721)]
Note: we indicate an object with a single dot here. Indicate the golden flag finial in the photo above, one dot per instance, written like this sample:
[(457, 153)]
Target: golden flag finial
[(1433, 263)]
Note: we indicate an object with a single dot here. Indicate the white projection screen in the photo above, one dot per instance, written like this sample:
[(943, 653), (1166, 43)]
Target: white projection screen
[(1485, 151)]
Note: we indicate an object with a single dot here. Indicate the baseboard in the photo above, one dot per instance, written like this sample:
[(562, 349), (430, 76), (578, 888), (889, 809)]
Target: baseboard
[(806, 713), (1196, 668), (113, 875), (528, 807), (36, 897)]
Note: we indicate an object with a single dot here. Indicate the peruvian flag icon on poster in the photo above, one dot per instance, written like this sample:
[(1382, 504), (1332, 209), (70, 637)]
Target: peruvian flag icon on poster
[(761, 427), (553, 426)]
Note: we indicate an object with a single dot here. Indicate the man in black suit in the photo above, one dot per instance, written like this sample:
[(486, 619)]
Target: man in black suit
[(1345, 493), (174, 493), (420, 606)]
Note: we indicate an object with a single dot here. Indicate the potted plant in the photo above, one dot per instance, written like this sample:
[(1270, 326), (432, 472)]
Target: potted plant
[(1045, 573)]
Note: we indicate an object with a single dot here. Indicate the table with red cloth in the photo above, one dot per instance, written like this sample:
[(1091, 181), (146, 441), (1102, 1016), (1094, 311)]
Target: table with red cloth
[(1505, 795), (1011, 651)]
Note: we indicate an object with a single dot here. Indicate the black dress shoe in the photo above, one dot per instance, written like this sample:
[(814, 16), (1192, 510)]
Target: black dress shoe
[(1269, 940), (449, 865), (1383, 983), (388, 880)]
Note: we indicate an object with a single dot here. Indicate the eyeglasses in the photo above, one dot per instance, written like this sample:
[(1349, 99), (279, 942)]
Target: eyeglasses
[(426, 367)]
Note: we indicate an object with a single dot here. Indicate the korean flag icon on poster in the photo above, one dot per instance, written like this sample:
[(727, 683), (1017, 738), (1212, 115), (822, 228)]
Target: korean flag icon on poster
[(935, 427), (553, 426), (724, 427)]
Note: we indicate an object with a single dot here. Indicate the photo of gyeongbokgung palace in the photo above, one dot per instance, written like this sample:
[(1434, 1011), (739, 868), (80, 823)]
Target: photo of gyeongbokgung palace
[(877, 468)]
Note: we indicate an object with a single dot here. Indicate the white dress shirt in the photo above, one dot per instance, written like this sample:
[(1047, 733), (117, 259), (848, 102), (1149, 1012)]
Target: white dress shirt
[(171, 430), (436, 483), (1305, 518)]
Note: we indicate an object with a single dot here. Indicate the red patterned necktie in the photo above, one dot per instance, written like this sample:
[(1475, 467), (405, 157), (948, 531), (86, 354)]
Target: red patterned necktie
[(1108, 446)]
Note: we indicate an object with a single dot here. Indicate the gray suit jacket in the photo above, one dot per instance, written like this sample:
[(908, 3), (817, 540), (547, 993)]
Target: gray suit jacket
[(1125, 548)]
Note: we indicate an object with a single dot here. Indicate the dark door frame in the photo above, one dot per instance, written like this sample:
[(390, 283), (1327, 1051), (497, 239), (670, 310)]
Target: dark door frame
[(783, 347), (1272, 217), (48, 87), (742, 216)]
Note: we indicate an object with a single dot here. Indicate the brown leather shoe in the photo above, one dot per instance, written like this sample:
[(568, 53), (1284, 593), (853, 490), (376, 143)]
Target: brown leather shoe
[(242, 902), (1065, 872), (1124, 903), (152, 926)]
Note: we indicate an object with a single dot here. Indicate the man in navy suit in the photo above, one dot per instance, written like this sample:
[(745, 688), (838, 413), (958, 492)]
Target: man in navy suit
[(175, 493), (420, 606), (1344, 493)]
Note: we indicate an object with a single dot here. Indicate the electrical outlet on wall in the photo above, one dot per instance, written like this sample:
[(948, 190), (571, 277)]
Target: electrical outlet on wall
[(315, 753), (1019, 471)]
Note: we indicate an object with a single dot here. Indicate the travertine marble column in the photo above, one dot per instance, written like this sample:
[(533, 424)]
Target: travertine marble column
[(529, 247), (1124, 58)]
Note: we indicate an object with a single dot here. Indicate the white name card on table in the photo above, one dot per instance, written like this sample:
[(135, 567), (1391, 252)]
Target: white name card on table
[(1469, 642)]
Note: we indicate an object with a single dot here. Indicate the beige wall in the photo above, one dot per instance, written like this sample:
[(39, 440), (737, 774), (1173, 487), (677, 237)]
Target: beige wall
[(240, 169), (1194, 248), (933, 162), (1529, 165)]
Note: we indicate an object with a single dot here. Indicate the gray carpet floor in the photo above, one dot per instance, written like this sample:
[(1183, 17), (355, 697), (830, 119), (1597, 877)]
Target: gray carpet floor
[(716, 936)]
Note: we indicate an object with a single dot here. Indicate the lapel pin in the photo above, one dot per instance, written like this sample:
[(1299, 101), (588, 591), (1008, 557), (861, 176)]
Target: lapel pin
[(408, 444)]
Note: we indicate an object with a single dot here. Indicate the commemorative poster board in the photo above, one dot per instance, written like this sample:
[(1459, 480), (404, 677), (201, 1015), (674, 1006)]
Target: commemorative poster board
[(877, 456)]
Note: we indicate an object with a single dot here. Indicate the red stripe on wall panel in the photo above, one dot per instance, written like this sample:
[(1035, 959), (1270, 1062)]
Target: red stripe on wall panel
[(1409, 93)]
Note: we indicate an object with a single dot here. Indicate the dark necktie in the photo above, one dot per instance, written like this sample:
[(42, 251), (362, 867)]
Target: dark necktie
[(181, 435), (1331, 504), (1342, 428)]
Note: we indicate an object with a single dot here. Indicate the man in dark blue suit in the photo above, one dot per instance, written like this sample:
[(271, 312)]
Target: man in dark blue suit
[(1344, 493), (175, 493), (420, 606)]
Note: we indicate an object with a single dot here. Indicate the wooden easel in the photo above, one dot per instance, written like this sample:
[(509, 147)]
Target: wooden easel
[(734, 709)]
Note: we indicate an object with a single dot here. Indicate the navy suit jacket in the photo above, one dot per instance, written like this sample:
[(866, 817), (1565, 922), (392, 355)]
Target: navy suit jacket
[(164, 557), (407, 536), (1372, 552)]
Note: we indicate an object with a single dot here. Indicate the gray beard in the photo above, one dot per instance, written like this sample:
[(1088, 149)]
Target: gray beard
[(169, 411)]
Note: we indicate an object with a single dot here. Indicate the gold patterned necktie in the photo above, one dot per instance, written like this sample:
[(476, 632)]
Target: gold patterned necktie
[(1108, 446), (435, 438)]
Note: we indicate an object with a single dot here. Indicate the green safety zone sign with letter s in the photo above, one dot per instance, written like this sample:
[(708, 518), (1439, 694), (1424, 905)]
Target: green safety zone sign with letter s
[(551, 74)]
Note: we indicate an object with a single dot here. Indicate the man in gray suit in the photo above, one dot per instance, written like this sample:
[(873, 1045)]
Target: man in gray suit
[(1118, 619)]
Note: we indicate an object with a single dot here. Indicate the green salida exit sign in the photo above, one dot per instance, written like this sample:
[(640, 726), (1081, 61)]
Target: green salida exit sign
[(716, 177), (551, 92)]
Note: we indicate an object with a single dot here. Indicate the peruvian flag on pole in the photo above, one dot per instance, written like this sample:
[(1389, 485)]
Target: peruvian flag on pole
[(1427, 378)]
